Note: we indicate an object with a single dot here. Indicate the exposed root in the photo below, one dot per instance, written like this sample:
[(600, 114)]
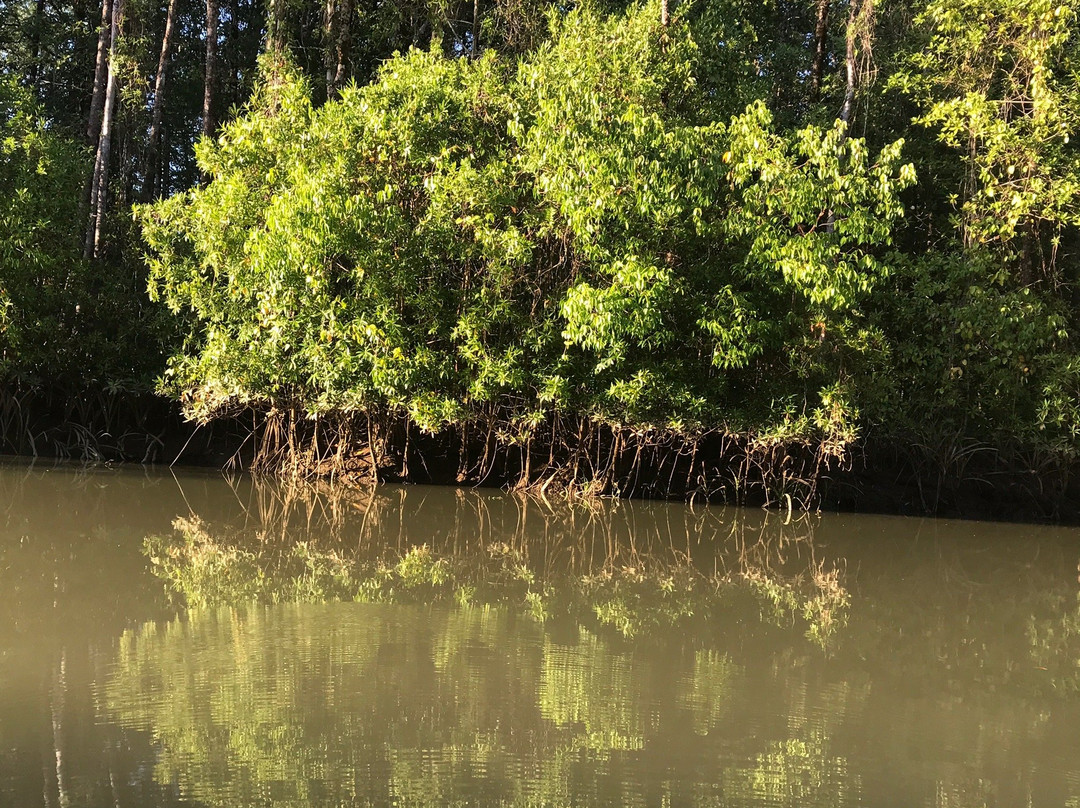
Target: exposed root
[(577, 456)]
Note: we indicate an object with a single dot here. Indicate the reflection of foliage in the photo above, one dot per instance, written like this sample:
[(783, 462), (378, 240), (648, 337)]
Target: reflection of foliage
[(707, 691), (223, 681), (956, 639), (475, 702), (643, 598), (822, 601), (645, 568), (206, 571), (326, 705), (633, 601), (1054, 637), (993, 609), (594, 691), (796, 771), (60, 576), (420, 697)]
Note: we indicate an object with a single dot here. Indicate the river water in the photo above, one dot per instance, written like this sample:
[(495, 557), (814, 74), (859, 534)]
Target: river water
[(190, 640)]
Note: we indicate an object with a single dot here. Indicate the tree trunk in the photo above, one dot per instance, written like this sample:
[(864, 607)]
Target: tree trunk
[(209, 125), (152, 169), (35, 44), (474, 45), (860, 32), (330, 37), (97, 99), (858, 20), (337, 19), (275, 27), (849, 62), (97, 105), (233, 58), (100, 185), (164, 177), (208, 122), (345, 11), (821, 46), (665, 16)]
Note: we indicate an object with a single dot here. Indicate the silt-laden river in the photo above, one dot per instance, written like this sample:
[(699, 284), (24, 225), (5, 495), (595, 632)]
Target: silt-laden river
[(193, 640)]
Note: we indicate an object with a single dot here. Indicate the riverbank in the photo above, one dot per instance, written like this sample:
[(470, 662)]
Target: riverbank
[(959, 479)]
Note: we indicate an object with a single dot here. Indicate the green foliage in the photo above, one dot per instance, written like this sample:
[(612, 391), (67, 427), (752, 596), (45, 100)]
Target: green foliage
[(37, 238), (64, 322), (983, 327), (998, 80), (988, 359), (466, 238), (571, 215)]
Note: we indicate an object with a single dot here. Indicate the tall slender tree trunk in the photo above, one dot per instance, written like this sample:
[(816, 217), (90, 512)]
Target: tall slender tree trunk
[(344, 43), (330, 37), (100, 184), (152, 164), (97, 104), (665, 13), (35, 44), (859, 12), (97, 98), (474, 45), (233, 59), (337, 20), (209, 124), (859, 32), (849, 63), (275, 26), (821, 46), (164, 177)]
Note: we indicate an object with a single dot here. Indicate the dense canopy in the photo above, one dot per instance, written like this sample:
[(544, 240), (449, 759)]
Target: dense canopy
[(559, 233)]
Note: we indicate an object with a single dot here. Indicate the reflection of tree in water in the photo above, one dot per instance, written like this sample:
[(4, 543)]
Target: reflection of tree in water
[(994, 605), (595, 693), (371, 704), (636, 567), (520, 690), (523, 690), (796, 771), (955, 606)]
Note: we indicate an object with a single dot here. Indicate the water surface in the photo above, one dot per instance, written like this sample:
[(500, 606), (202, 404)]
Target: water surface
[(188, 640)]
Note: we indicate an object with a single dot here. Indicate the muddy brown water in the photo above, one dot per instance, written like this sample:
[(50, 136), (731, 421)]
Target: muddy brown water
[(162, 645)]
